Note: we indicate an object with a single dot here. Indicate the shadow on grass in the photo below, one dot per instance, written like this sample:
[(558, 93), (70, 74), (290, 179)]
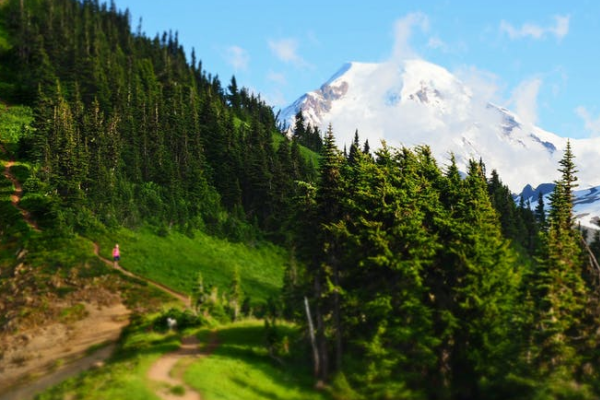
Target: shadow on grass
[(248, 344), (264, 394)]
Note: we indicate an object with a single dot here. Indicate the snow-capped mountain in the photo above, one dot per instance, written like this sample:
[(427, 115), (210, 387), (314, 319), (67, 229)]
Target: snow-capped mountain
[(416, 102)]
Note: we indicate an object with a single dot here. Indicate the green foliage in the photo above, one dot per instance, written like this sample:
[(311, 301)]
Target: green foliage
[(307, 135), (185, 319), (434, 300), (565, 286), (341, 389), (129, 132), (15, 124), (72, 314), (239, 368)]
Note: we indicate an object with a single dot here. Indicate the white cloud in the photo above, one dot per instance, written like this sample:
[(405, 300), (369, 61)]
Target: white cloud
[(562, 26), (275, 98), (436, 43), (559, 30), (276, 77), (524, 98), (591, 125), (237, 57), (287, 51), (403, 29), (484, 84)]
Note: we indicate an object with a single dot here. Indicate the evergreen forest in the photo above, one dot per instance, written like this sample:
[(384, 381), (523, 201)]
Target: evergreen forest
[(409, 279)]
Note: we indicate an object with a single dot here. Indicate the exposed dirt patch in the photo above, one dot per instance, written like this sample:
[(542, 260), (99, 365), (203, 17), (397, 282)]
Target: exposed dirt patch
[(52, 348), (59, 375)]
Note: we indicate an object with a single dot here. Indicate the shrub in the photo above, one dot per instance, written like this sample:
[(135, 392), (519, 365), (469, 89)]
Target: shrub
[(185, 319)]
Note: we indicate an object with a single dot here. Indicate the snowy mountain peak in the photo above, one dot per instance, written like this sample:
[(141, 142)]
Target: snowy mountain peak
[(416, 102)]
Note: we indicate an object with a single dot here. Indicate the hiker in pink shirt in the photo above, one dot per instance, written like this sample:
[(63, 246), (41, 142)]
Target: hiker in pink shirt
[(116, 254)]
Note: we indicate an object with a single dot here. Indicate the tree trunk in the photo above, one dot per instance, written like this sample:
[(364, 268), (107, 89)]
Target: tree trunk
[(336, 315), (321, 338), (311, 331)]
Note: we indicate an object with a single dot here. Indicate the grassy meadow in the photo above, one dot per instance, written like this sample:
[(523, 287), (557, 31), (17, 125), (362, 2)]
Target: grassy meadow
[(239, 367), (176, 260)]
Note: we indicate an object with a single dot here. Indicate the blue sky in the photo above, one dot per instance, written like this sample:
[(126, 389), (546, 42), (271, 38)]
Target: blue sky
[(540, 59)]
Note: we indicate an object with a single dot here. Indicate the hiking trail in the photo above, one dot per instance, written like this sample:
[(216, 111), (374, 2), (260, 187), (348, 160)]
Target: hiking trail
[(180, 296), (168, 370), (15, 197)]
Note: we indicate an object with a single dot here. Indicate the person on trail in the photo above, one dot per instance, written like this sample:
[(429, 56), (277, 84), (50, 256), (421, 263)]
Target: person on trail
[(116, 254)]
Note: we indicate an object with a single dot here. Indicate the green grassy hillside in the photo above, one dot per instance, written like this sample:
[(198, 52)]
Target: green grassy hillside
[(310, 156), (176, 260)]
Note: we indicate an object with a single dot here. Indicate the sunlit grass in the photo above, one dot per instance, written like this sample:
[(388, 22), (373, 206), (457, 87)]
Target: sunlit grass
[(176, 260), (14, 122), (240, 368), (310, 156)]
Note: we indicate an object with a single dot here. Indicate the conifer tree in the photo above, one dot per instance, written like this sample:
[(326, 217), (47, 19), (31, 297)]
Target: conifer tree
[(388, 248), (564, 301), (329, 199), (540, 212), (475, 319), (354, 149), (233, 97)]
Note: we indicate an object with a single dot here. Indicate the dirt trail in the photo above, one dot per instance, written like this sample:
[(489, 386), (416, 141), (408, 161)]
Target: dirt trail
[(29, 392), (168, 370), (15, 197), (180, 296)]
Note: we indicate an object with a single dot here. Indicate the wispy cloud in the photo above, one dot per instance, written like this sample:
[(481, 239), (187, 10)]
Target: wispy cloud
[(237, 57), (276, 77), (484, 84), (435, 42), (403, 30), (525, 99), (275, 98), (457, 47), (591, 124), (559, 30), (286, 50)]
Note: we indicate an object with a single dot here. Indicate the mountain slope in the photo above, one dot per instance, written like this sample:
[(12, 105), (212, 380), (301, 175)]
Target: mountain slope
[(417, 102)]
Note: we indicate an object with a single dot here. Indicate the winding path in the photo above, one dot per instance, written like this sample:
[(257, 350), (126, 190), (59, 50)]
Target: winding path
[(168, 370), (15, 197)]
